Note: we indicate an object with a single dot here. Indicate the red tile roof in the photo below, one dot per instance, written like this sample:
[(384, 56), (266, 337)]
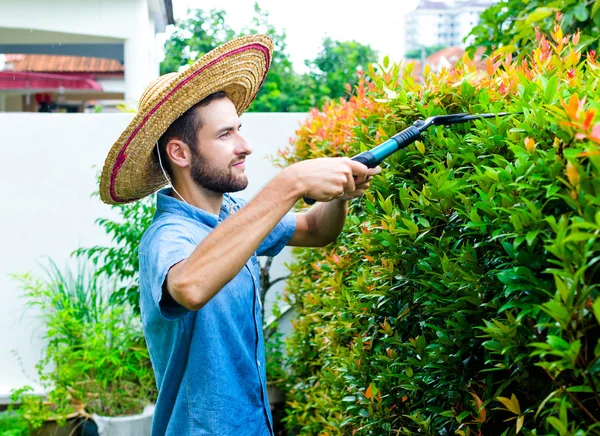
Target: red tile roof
[(63, 64), (453, 54)]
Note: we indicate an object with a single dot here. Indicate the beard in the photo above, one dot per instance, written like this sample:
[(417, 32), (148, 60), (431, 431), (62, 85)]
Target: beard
[(215, 179)]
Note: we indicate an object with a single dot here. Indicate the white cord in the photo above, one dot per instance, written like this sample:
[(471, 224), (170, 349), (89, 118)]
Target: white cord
[(173, 187), (166, 176)]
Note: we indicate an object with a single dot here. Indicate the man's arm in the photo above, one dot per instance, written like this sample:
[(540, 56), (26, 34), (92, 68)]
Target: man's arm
[(322, 224), (224, 252)]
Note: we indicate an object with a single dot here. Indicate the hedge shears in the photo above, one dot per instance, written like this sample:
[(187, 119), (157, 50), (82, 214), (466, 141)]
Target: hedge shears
[(372, 158)]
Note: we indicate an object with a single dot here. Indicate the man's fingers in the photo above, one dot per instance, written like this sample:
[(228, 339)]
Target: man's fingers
[(374, 171)]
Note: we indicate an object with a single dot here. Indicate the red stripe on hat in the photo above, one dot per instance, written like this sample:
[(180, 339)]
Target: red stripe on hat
[(120, 160)]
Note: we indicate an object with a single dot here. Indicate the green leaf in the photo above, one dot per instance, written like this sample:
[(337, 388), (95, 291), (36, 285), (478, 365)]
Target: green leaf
[(550, 91), (463, 416), (563, 291), (578, 237), (557, 311), (412, 227), (557, 424), (596, 309), (541, 406), (386, 61), (585, 389), (580, 11), (531, 235), (558, 343), (538, 15), (595, 8)]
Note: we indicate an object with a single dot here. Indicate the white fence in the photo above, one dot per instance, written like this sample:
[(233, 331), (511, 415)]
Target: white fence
[(49, 169)]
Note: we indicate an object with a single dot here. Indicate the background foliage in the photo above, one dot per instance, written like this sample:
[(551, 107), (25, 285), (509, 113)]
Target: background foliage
[(284, 90), (120, 261), (462, 297), (513, 24)]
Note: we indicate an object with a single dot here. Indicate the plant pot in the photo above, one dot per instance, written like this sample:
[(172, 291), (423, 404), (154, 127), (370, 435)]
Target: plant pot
[(52, 428), (277, 405), (275, 394), (132, 425)]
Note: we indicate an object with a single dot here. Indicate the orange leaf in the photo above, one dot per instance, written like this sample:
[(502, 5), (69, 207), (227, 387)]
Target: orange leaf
[(589, 116), (480, 410), (490, 67), (572, 174), (573, 106), (512, 404), (369, 391), (529, 144), (589, 153), (478, 401)]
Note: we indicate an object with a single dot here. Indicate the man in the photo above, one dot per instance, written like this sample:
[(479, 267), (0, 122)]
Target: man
[(199, 277)]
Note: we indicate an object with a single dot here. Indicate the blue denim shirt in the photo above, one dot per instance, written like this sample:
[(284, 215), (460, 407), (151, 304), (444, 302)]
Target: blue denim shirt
[(209, 364)]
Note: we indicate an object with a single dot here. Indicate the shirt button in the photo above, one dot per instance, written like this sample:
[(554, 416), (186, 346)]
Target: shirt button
[(258, 363)]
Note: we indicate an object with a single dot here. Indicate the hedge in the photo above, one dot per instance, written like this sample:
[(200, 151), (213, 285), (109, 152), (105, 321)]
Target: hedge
[(462, 297)]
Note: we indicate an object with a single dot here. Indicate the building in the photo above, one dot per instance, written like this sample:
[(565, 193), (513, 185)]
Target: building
[(54, 83), (442, 23), (103, 32)]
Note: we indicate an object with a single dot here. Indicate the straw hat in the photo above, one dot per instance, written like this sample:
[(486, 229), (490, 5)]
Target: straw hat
[(238, 67)]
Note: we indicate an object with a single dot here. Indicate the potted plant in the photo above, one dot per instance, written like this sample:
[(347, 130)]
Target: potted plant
[(115, 379), (33, 415), (96, 358)]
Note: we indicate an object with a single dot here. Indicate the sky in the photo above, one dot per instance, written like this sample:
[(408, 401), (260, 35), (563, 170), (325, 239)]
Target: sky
[(378, 23)]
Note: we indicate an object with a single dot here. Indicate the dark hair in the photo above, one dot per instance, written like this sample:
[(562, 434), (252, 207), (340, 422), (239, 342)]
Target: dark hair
[(184, 128)]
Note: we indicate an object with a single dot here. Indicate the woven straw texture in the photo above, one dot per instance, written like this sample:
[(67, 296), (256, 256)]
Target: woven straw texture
[(238, 67)]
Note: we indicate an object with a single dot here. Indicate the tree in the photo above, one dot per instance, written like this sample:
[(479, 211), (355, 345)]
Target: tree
[(201, 32), (337, 65), (193, 37), (279, 92), (284, 90), (512, 23)]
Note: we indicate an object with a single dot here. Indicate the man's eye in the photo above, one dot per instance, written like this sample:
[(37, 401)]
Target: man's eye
[(225, 135)]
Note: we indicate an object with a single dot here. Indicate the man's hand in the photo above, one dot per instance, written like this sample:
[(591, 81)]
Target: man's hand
[(326, 179)]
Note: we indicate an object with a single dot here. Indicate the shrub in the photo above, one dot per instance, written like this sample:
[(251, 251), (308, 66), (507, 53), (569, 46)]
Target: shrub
[(462, 297), (119, 261), (95, 356)]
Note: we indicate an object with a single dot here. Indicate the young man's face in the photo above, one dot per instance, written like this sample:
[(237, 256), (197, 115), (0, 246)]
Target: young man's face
[(218, 161)]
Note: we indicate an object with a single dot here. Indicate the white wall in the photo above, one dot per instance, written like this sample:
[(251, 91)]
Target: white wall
[(107, 18), (50, 168)]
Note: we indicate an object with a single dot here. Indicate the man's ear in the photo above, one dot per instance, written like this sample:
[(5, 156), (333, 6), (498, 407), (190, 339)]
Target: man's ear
[(179, 153)]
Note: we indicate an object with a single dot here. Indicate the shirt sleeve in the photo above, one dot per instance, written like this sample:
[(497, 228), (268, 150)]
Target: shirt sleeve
[(279, 236), (168, 245)]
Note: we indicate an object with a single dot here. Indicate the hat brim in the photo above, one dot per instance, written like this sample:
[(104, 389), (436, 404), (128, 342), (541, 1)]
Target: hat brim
[(238, 68)]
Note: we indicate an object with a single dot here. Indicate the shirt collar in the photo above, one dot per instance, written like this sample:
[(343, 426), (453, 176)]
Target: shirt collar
[(165, 203)]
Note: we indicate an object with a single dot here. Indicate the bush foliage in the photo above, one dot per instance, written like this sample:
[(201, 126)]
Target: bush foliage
[(462, 297)]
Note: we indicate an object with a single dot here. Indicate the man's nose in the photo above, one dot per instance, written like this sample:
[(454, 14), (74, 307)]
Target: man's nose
[(243, 146)]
